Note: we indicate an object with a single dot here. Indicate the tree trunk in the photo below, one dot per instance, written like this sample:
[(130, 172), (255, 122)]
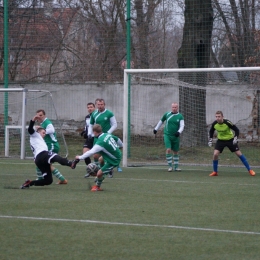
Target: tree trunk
[(195, 53)]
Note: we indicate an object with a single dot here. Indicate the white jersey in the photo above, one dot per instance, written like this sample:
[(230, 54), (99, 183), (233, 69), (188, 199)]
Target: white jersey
[(37, 143)]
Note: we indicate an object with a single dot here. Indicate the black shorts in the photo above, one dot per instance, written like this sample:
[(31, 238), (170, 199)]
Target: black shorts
[(43, 161), (221, 144), (89, 143)]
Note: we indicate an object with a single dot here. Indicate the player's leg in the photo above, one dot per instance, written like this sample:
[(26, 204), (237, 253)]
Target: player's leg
[(219, 147), (55, 148), (42, 163), (244, 161), (119, 169), (175, 148), (105, 170), (168, 153)]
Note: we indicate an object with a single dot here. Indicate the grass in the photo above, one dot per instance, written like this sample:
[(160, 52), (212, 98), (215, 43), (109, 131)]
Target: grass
[(143, 213)]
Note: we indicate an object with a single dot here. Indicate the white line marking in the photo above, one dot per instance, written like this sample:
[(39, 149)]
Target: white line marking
[(132, 224)]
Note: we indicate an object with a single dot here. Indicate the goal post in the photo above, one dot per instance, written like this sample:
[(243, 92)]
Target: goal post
[(148, 94), (17, 108)]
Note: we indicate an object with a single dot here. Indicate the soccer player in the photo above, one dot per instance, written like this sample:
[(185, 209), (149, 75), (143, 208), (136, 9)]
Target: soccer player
[(89, 140), (106, 119), (174, 125), (225, 138), (106, 145), (52, 143), (42, 157)]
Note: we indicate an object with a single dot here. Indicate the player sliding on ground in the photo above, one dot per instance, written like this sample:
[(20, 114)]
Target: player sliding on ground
[(226, 138), (107, 146), (42, 157)]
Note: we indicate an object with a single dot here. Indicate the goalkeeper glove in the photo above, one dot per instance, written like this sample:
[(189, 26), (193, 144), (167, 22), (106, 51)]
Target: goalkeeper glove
[(155, 131), (235, 140), (210, 142), (177, 134)]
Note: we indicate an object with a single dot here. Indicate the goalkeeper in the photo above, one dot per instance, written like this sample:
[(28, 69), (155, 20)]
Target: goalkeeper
[(226, 138), (174, 125)]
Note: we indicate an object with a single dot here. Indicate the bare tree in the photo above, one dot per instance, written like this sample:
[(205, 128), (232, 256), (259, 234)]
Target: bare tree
[(195, 53)]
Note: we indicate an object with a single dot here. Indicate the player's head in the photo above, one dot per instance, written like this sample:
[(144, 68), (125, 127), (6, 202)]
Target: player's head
[(90, 107), (41, 115), (41, 131), (175, 108), (100, 102), (97, 129), (219, 116)]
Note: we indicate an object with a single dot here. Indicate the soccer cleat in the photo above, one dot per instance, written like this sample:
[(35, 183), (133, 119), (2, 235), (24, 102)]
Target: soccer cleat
[(213, 174), (87, 175), (110, 174), (74, 163), (119, 169), (251, 172), (170, 169), (177, 170), (62, 182), (96, 188), (26, 185)]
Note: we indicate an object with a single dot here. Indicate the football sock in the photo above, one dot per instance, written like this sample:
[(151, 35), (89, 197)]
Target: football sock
[(99, 181), (39, 174), (215, 165), (244, 161), (169, 159), (176, 161), (96, 161), (58, 175), (87, 161)]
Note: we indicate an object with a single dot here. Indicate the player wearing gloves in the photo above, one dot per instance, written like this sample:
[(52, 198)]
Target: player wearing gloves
[(174, 125), (107, 146), (226, 138)]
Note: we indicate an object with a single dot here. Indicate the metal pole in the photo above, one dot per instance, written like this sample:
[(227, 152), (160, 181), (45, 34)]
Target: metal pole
[(6, 59), (23, 125)]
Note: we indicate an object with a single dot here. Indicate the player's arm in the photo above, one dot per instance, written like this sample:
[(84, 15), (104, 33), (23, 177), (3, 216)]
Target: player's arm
[(96, 149), (113, 124), (233, 127), (181, 128), (211, 133), (118, 141), (50, 129), (31, 124)]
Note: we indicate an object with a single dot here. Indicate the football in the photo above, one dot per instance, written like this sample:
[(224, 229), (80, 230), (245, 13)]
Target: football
[(92, 169)]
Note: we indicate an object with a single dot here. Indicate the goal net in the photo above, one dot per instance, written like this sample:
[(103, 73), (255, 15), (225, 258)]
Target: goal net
[(17, 108), (149, 93)]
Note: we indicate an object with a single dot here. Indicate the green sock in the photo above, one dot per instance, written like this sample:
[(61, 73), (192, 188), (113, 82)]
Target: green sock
[(99, 181), (176, 161), (39, 174), (169, 159), (58, 175)]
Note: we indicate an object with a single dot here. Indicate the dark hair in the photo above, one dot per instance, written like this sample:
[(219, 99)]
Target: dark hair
[(100, 100), (40, 110), (40, 128), (90, 103)]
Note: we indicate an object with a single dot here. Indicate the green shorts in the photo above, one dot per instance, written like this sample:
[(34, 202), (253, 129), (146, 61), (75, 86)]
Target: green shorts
[(172, 142)]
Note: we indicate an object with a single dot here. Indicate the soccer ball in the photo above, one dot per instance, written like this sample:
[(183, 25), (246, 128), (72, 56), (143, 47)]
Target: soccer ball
[(92, 169)]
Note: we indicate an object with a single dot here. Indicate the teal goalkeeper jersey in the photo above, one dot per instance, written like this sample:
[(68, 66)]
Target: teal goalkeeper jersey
[(172, 122), (102, 118)]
